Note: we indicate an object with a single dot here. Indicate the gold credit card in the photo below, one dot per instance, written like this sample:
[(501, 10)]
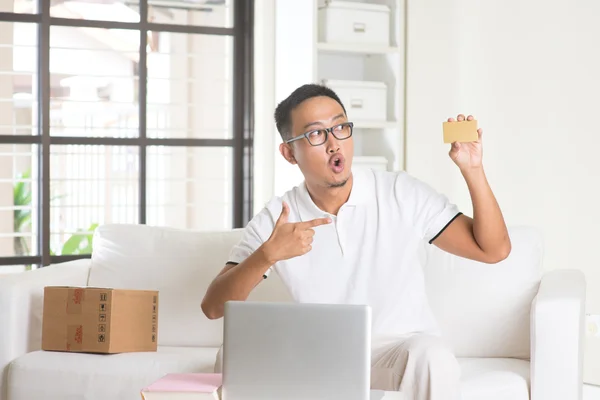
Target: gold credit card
[(463, 131)]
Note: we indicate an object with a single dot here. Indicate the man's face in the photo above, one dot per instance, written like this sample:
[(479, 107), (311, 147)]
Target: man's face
[(328, 164)]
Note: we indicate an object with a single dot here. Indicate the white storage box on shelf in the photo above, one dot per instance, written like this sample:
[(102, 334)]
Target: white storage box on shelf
[(354, 23), (363, 100), (370, 162)]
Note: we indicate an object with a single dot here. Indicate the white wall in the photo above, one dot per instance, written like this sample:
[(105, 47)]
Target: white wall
[(591, 392), (294, 66), (264, 104), (530, 72)]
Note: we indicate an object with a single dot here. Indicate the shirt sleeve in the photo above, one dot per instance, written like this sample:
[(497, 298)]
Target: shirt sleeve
[(257, 231), (430, 211)]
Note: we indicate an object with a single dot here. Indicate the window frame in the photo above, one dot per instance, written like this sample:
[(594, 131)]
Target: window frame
[(242, 115)]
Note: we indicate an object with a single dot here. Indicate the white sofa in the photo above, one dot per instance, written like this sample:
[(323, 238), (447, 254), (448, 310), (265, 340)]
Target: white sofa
[(517, 335)]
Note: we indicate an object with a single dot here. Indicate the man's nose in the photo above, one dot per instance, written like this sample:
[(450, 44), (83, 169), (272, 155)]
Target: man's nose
[(332, 144)]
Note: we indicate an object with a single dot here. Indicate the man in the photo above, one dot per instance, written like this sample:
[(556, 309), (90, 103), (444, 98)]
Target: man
[(353, 237)]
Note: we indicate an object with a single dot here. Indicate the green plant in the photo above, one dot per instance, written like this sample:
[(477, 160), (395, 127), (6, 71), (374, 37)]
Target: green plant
[(77, 243)]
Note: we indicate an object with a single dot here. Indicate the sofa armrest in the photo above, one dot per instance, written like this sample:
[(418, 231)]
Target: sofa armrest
[(21, 305), (557, 336)]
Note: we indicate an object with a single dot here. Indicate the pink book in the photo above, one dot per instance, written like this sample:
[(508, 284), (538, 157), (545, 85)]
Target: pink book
[(190, 386)]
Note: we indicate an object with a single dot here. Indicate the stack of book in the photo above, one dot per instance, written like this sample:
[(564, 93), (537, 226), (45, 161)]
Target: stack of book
[(191, 386)]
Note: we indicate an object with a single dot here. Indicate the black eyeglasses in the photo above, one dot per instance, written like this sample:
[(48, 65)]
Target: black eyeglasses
[(319, 136)]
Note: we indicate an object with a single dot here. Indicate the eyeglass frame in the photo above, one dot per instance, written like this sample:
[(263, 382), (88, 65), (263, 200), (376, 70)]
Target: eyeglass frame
[(327, 132)]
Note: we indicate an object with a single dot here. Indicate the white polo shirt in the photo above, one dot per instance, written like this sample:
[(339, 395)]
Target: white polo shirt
[(369, 254)]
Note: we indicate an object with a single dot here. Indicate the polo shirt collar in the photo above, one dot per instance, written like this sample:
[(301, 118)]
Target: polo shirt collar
[(308, 209)]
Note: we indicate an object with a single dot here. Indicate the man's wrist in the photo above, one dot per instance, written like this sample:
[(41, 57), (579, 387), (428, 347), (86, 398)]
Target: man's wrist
[(266, 255), (473, 173)]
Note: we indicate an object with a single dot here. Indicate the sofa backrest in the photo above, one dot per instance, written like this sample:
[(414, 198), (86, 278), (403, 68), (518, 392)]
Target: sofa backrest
[(179, 264), (483, 310)]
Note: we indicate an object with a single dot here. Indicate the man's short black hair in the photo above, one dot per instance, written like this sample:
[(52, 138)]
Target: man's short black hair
[(283, 112)]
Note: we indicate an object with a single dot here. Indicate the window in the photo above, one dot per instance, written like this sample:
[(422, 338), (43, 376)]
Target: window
[(133, 111)]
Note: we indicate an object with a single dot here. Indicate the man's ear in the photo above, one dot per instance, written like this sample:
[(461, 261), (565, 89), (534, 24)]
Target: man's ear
[(287, 152)]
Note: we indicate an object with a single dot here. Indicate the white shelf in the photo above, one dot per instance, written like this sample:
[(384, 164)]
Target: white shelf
[(356, 48), (358, 124), (381, 140), (374, 162)]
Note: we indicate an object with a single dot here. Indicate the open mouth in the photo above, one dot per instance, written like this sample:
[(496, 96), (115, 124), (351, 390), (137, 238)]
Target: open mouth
[(336, 163)]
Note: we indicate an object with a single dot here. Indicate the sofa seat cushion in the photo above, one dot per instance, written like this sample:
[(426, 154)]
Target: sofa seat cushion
[(57, 375), (494, 379)]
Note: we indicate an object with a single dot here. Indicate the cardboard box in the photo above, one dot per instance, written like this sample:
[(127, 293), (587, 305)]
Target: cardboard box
[(99, 320)]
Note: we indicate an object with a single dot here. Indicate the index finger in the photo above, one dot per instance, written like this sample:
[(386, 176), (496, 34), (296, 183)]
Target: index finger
[(314, 222)]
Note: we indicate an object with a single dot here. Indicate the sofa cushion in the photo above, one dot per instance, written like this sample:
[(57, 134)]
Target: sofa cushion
[(61, 376), (494, 379), (483, 309), (180, 264)]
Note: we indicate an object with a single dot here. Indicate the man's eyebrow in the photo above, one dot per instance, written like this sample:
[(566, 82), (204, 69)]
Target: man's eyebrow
[(320, 123)]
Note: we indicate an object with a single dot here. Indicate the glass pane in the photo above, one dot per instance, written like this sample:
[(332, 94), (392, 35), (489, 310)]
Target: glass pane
[(90, 186), (18, 77), (190, 187), (216, 13), (94, 72), (19, 6), (190, 86), (103, 10), (18, 200)]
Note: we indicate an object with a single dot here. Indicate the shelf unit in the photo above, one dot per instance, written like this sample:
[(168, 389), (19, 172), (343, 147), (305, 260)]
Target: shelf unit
[(367, 124), (374, 140), (341, 48)]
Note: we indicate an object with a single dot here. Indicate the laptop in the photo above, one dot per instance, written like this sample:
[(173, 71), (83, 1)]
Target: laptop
[(292, 351)]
